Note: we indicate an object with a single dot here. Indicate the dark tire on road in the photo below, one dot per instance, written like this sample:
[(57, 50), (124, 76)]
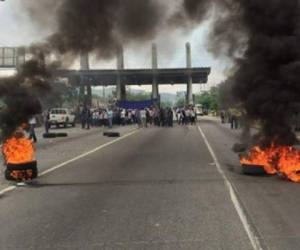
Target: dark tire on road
[(73, 124), (111, 134), (61, 134), (253, 170), (21, 167), (49, 135)]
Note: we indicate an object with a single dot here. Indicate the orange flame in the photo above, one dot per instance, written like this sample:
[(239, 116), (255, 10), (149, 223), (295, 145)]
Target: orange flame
[(18, 150), (289, 163), (284, 160)]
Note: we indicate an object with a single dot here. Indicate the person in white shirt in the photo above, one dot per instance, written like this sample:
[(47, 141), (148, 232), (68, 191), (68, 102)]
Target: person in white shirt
[(123, 116), (32, 124), (143, 118)]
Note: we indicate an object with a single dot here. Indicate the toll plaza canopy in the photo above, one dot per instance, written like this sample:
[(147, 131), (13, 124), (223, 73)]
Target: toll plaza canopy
[(135, 76)]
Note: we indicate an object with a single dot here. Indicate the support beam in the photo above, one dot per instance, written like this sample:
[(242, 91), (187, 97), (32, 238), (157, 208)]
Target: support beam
[(89, 95), (21, 54), (189, 96), (121, 87), (190, 99), (188, 55), (81, 93), (155, 90)]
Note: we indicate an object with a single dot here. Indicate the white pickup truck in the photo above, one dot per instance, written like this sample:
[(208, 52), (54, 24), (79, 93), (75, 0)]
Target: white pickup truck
[(61, 116)]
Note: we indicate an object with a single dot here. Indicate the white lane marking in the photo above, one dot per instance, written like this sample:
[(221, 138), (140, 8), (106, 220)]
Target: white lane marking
[(86, 154), (10, 188), (238, 207)]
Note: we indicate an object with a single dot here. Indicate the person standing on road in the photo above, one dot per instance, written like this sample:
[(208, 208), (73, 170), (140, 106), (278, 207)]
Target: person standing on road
[(32, 124), (143, 118), (110, 117), (89, 118), (170, 117), (222, 115), (46, 121), (138, 117), (123, 117), (83, 117), (235, 114), (193, 116)]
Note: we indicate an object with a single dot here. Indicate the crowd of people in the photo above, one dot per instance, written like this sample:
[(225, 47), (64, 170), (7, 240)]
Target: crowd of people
[(148, 117), (163, 117), (232, 116), (186, 116)]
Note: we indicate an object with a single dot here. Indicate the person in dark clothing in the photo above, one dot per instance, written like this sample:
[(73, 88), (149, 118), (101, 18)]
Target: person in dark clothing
[(162, 117), (85, 118), (184, 117), (46, 121), (148, 117), (222, 115), (170, 117), (234, 122)]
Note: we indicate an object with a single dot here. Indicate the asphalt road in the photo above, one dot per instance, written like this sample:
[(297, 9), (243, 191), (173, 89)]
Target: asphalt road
[(158, 188), (272, 204)]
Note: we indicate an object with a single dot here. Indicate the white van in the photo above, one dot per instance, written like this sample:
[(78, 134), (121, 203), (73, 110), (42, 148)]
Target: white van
[(61, 116), (199, 110)]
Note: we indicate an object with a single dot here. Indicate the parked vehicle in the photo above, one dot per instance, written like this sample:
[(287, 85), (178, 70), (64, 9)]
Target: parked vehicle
[(61, 116), (199, 110)]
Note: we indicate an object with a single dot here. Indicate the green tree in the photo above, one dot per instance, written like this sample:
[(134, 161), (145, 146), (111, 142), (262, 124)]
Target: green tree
[(180, 103), (209, 99), (166, 104), (135, 97)]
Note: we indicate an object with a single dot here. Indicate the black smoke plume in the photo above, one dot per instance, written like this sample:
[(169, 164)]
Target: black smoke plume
[(100, 26), (21, 96), (261, 36)]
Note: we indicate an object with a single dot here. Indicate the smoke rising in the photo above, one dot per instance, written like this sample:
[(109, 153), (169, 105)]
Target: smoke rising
[(260, 36), (267, 79), (100, 26), (20, 95)]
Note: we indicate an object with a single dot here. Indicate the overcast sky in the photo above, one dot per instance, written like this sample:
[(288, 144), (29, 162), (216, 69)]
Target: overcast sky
[(16, 29)]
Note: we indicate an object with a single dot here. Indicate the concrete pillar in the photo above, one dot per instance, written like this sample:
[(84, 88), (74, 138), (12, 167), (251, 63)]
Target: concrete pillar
[(89, 95), (155, 91), (188, 55), (20, 58), (121, 86), (190, 99), (84, 61), (189, 96), (86, 96)]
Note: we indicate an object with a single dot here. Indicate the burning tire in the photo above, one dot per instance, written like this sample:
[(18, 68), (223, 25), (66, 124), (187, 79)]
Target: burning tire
[(49, 135), (253, 169), (111, 134), (19, 172)]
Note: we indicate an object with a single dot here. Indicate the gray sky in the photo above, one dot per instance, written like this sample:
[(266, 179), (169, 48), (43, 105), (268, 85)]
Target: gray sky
[(16, 28)]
